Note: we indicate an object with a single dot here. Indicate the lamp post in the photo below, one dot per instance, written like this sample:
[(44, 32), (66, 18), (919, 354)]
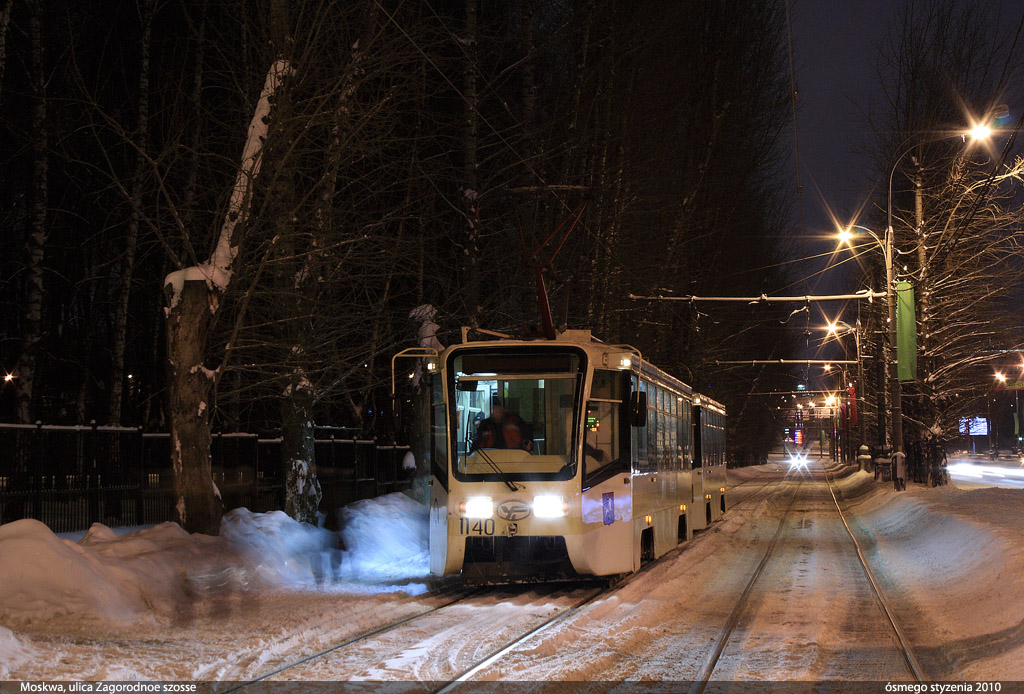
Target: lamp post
[(890, 300), (833, 329), (1001, 377)]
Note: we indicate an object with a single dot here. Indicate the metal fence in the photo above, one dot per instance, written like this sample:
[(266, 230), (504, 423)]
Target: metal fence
[(72, 476)]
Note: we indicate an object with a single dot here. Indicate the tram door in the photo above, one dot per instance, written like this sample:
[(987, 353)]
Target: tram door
[(438, 528), (701, 470), (607, 502), (438, 518)]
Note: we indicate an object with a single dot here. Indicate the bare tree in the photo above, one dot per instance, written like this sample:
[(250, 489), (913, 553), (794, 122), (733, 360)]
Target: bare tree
[(5, 19), (194, 295), (32, 334), (955, 215), (117, 380)]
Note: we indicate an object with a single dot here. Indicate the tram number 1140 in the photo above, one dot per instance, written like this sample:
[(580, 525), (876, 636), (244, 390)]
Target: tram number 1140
[(470, 526)]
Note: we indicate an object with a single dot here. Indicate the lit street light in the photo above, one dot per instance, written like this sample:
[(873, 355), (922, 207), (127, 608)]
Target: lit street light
[(837, 328), (1001, 377)]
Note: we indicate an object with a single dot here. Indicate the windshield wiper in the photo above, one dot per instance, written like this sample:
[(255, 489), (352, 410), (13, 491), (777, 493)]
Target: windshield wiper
[(501, 473)]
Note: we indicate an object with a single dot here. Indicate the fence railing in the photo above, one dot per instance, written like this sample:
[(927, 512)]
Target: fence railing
[(72, 476)]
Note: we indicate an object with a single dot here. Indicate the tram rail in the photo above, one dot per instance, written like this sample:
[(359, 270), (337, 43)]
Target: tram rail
[(901, 641)]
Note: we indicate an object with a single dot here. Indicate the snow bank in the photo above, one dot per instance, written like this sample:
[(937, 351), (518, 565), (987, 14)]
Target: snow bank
[(385, 539), (153, 574), (954, 555), (280, 550), (13, 652), (112, 579)]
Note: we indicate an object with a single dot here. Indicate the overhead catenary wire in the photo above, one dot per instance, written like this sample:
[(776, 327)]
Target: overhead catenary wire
[(863, 295)]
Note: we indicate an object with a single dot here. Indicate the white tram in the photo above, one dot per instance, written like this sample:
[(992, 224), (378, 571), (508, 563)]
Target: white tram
[(604, 461)]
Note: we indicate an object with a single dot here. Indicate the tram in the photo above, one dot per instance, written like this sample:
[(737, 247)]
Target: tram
[(564, 458)]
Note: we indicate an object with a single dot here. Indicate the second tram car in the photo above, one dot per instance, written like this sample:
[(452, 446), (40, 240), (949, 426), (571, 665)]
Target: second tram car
[(568, 457)]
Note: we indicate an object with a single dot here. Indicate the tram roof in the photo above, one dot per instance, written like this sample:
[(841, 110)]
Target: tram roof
[(585, 339)]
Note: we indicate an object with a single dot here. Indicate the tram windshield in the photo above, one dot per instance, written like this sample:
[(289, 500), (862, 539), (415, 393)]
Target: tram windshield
[(514, 414)]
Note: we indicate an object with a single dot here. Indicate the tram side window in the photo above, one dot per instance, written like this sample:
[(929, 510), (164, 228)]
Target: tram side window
[(713, 437), (697, 432), (601, 443), (721, 439), (688, 429), (663, 438), (672, 444), (719, 443), (438, 432), (707, 438), (653, 421), (604, 429), (639, 435)]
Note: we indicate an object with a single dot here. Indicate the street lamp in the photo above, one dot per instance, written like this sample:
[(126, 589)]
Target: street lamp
[(887, 253), (834, 329), (1001, 377)]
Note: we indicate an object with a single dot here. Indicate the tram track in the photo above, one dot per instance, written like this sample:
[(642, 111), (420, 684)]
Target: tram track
[(498, 648), (495, 652), (733, 619), (742, 604), (466, 671), (350, 641), (903, 642), (493, 658)]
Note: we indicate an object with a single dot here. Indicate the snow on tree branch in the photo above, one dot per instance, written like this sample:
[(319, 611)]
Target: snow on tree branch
[(216, 271)]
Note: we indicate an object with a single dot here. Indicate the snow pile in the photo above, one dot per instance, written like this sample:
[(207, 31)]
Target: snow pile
[(280, 550), (104, 577), (155, 574), (385, 539), (13, 652), (958, 553)]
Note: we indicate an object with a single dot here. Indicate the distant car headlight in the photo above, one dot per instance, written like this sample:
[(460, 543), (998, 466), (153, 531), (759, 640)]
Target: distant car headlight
[(477, 507), (549, 506)]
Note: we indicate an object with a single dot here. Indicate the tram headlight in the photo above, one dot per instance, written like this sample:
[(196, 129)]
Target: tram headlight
[(550, 506), (477, 507)]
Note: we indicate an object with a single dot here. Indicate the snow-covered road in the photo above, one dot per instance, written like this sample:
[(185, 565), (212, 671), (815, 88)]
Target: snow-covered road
[(949, 561)]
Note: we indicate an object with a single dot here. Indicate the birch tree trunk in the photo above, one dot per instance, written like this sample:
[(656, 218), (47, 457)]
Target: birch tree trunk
[(302, 488), (470, 191), (191, 389), (194, 295), (132, 240), (5, 18), (25, 370)]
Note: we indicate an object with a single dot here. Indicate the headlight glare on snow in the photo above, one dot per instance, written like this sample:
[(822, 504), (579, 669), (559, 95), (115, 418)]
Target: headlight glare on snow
[(477, 507), (549, 506)]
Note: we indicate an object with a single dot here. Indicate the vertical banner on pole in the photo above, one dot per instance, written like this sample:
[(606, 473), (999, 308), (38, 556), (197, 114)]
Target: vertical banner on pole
[(906, 332), (852, 393)]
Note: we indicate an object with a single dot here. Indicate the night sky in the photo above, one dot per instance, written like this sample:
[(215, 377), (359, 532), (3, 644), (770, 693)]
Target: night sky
[(834, 51)]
